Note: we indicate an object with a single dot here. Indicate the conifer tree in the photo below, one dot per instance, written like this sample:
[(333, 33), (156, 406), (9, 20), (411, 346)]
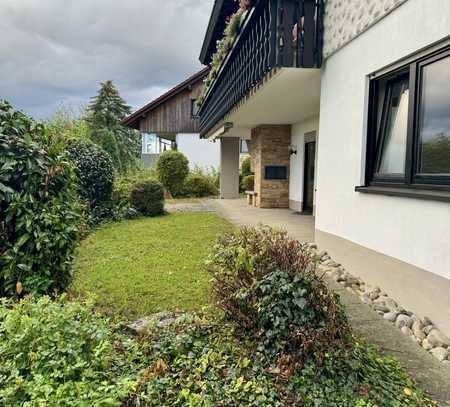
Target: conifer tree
[(105, 113)]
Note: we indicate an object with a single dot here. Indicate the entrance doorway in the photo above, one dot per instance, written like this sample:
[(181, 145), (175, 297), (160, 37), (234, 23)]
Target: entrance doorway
[(308, 181)]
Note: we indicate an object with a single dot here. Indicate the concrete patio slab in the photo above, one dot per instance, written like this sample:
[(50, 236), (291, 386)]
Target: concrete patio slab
[(200, 206), (237, 211)]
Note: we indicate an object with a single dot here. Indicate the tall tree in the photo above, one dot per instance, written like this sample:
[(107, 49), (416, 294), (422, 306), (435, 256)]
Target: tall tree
[(105, 113)]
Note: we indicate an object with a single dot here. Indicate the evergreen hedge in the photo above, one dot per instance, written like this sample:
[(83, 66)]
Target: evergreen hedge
[(39, 211), (172, 168), (95, 172)]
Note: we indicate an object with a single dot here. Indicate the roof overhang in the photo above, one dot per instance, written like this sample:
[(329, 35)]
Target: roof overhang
[(222, 9), (133, 120)]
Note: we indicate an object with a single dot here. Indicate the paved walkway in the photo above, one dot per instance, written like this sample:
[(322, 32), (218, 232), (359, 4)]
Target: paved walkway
[(300, 227), (427, 371), (200, 206)]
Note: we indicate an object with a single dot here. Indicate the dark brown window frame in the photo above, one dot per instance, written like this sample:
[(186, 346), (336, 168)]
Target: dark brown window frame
[(425, 186)]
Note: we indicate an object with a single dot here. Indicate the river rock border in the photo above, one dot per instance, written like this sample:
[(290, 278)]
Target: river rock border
[(420, 330)]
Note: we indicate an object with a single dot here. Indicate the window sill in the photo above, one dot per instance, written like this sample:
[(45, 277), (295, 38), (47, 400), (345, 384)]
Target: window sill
[(431, 195)]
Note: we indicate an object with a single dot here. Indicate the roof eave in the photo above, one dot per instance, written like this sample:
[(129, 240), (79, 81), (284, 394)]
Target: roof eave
[(133, 120)]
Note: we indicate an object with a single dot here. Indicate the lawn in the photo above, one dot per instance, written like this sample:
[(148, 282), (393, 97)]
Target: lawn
[(139, 267)]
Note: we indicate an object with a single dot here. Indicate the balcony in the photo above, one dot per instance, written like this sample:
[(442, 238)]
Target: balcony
[(275, 34)]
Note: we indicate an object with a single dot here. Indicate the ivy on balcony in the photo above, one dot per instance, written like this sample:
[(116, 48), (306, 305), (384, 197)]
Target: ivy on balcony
[(225, 45)]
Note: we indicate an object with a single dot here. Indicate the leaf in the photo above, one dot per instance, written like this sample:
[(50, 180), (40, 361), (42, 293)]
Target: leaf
[(19, 288), (301, 303), (5, 189), (22, 240), (408, 392)]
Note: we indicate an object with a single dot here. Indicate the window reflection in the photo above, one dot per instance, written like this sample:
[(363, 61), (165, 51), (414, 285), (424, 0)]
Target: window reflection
[(434, 125), (393, 154)]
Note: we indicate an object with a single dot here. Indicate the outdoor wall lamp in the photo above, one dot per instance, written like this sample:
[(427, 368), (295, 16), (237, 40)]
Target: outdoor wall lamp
[(293, 150)]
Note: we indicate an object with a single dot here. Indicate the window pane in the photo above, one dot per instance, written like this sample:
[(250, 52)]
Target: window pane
[(244, 147), (149, 145), (434, 128), (195, 108), (394, 141)]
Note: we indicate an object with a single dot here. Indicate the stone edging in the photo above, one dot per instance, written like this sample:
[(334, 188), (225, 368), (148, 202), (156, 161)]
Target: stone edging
[(420, 330)]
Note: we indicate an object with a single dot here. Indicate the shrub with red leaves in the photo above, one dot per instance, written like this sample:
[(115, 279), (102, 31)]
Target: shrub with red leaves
[(267, 283)]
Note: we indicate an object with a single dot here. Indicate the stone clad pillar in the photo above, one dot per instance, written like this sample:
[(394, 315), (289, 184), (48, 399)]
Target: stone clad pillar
[(229, 167), (270, 147)]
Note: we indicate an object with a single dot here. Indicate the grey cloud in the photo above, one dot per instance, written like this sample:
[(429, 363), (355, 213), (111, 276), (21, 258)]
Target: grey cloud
[(57, 51)]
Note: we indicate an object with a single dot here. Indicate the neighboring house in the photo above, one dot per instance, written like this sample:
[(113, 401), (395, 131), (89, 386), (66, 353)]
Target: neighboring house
[(346, 107), (171, 122)]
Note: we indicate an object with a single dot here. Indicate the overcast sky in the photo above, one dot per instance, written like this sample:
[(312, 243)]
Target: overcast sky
[(58, 51)]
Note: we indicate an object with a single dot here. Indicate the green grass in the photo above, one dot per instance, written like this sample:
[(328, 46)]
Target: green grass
[(139, 267)]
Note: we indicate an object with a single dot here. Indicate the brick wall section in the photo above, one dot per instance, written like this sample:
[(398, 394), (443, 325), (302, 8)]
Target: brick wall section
[(270, 146), (346, 19)]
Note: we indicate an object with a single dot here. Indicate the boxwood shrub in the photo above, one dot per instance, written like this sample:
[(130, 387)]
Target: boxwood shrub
[(148, 197), (39, 210), (172, 168)]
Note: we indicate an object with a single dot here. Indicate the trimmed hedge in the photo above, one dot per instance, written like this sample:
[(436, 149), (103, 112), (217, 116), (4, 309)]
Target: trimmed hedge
[(148, 197), (172, 168), (123, 185), (39, 210)]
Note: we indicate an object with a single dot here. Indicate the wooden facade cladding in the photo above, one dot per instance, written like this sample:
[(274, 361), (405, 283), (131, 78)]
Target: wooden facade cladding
[(175, 115), (171, 113)]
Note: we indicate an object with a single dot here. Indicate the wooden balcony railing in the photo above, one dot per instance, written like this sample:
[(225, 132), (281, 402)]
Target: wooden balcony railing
[(275, 33)]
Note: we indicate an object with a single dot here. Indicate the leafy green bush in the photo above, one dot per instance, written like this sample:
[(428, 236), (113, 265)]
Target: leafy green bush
[(246, 167), (215, 174), (123, 185), (198, 184), (248, 183), (95, 173), (267, 284), (148, 197), (69, 123), (39, 212), (59, 354), (172, 168)]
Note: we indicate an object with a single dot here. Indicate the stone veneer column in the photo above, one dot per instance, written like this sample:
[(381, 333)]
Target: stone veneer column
[(270, 146), (229, 167)]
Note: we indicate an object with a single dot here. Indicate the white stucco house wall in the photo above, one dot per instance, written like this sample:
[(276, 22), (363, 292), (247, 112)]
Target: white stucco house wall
[(201, 153), (364, 135)]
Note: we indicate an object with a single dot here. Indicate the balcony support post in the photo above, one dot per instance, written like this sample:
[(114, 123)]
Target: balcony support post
[(229, 167)]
